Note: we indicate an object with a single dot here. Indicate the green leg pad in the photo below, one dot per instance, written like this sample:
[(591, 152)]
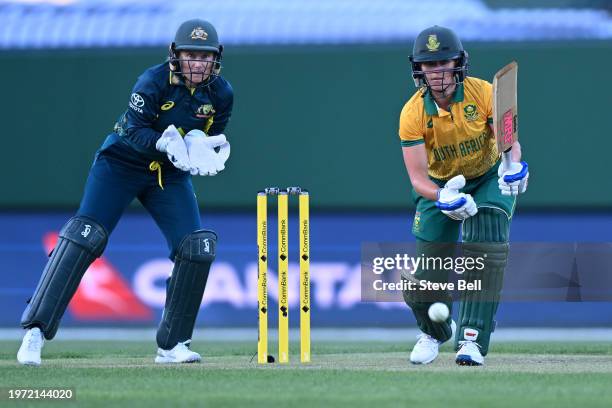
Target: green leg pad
[(485, 235), (419, 301)]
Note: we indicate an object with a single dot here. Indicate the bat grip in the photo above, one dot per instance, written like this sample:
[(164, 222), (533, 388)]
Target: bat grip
[(507, 159)]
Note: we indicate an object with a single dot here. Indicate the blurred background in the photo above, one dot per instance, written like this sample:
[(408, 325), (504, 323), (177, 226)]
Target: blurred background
[(319, 86)]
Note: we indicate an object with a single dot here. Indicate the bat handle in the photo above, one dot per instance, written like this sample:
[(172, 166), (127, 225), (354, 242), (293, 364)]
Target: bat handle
[(507, 159)]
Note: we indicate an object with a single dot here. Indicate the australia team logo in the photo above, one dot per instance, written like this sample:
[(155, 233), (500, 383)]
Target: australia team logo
[(198, 33), (205, 111), (470, 112)]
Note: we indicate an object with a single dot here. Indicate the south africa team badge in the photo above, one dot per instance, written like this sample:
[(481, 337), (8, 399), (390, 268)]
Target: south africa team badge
[(470, 112), (416, 225)]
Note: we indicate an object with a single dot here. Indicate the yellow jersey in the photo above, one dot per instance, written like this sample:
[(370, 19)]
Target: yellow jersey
[(459, 141)]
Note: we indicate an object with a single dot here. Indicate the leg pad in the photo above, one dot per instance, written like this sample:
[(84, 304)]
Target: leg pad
[(185, 288), (484, 235), (81, 241)]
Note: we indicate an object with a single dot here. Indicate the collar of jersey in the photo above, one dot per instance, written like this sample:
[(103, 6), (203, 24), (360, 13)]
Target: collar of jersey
[(430, 105), (175, 80)]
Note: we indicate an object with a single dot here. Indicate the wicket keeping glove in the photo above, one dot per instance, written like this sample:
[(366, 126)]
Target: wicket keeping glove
[(205, 161), (224, 149), (454, 204), (173, 145), (513, 181)]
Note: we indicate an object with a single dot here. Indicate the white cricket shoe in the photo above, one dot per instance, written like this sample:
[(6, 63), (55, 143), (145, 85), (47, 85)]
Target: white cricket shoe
[(426, 348), (469, 354), (31, 346), (179, 354)]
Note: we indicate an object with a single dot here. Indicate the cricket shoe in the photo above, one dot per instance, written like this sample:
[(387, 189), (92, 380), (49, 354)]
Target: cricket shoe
[(179, 354), (426, 348), (469, 354), (31, 346)]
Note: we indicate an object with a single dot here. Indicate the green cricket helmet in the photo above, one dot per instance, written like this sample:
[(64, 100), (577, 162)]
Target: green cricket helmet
[(438, 44), (196, 35)]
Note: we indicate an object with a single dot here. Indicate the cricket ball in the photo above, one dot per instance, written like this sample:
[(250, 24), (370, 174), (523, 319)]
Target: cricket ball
[(438, 312)]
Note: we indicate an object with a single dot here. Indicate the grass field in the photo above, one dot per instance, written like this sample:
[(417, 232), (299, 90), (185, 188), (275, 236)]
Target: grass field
[(105, 373)]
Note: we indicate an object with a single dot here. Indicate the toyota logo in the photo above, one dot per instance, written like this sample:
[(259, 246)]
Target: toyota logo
[(137, 100)]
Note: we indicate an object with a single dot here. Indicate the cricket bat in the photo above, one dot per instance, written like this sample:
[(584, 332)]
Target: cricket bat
[(505, 110)]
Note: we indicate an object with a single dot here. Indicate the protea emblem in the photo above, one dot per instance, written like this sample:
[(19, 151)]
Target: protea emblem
[(432, 42)]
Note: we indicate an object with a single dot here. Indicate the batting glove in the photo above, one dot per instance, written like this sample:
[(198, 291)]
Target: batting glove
[(513, 181), (454, 204), (173, 145)]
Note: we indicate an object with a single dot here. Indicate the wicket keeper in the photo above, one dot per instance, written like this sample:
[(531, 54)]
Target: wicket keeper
[(172, 129), (451, 156)]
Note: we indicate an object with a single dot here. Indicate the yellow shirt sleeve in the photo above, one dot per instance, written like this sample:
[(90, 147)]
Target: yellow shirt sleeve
[(411, 126)]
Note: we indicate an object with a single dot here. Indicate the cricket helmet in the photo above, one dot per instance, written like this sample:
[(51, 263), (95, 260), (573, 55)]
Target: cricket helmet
[(438, 44), (196, 35)]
